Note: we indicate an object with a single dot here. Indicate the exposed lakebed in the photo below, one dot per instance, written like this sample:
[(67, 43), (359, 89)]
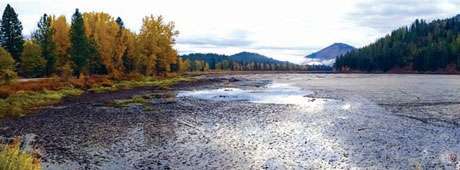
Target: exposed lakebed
[(261, 121)]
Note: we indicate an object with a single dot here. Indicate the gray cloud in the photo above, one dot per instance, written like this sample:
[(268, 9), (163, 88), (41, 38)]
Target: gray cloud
[(235, 39), (217, 42), (386, 15), (292, 48)]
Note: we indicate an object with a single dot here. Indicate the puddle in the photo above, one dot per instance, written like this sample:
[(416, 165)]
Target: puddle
[(276, 93)]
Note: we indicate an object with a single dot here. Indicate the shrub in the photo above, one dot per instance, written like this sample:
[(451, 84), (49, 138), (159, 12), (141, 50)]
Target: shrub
[(32, 63), (38, 85), (7, 73), (7, 76), (90, 82), (12, 158), (66, 72)]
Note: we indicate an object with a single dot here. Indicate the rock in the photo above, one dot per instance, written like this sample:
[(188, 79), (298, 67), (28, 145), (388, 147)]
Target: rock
[(233, 79)]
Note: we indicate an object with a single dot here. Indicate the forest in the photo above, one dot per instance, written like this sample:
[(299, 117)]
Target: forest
[(244, 61), (94, 43), (421, 47)]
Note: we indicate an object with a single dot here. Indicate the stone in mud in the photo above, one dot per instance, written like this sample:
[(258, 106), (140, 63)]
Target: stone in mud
[(233, 79)]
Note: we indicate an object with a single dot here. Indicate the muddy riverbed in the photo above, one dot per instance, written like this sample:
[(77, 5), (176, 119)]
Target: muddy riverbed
[(259, 121)]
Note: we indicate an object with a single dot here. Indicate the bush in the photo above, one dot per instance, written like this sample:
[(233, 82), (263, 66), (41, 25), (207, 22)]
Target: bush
[(12, 158), (7, 76), (7, 73), (38, 85), (32, 63), (91, 82)]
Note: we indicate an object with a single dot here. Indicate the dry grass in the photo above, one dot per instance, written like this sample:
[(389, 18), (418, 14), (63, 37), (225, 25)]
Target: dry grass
[(164, 83), (12, 158), (38, 85), (17, 99)]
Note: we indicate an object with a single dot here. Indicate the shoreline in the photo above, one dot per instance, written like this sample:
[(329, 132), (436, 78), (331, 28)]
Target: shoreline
[(315, 72), (157, 128)]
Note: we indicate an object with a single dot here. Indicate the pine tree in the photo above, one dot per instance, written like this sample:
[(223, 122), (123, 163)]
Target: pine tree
[(44, 37), (80, 46), (11, 33)]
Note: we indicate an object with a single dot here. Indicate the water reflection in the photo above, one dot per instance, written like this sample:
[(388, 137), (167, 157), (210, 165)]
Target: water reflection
[(276, 93)]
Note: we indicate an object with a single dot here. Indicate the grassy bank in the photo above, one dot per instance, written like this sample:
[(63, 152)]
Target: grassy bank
[(18, 99), (141, 82), (18, 104)]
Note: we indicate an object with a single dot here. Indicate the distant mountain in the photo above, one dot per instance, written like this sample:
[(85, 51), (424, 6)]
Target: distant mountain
[(332, 52), (242, 57), (247, 57), (241, 61)]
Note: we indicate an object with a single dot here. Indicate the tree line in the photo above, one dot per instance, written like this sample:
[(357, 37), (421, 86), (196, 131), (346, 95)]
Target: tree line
[(93, 43), (420, 47), (243, 61)]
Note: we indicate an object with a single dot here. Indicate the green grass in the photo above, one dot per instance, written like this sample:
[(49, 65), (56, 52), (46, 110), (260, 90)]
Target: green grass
[(17, 105), (126, 102), (100, 89), (143, 82), (12, 158)]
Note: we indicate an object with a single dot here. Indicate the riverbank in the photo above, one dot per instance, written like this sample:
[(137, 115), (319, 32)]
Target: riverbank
[(298, 121), (24, 97)]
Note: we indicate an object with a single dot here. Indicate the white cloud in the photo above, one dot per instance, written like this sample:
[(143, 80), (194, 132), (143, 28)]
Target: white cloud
[(287, 30), (385, 15)]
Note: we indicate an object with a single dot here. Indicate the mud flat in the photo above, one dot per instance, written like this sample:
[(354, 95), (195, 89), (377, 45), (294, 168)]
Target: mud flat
[(259, 121)]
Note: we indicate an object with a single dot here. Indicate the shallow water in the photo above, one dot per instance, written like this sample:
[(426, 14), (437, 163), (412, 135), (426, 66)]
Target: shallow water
[(278, 93), (267, 121)]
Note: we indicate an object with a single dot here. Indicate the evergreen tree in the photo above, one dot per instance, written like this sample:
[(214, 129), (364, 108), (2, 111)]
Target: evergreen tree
[(11, 33), (421, 47), (44, 37), (80, 46)]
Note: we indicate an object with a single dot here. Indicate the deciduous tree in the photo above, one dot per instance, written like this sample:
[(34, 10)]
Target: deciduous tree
[(155, 42), (61, 39), (32, 63)]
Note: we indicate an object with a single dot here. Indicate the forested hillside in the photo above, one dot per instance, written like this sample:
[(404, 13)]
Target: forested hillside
[(420, 47), (244, 61)]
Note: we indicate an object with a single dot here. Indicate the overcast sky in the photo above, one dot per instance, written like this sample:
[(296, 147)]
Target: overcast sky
[(282, 29)]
